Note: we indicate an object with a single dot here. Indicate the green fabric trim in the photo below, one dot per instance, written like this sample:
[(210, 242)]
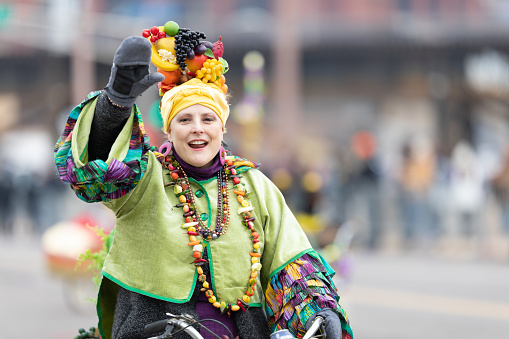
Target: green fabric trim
[(209, 209), (330, 270), (211, 267), (177, 301), (203, 181), (99, 315), (106, 302), (276, 271), (79, 142), (84, 155)]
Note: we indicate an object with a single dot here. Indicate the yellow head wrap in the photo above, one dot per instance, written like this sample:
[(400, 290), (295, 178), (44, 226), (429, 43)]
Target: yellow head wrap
[(191, 93)]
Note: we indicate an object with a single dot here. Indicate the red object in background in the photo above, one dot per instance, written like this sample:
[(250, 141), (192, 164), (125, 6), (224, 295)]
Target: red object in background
[(63, 243), (156, 136), (363, 144)]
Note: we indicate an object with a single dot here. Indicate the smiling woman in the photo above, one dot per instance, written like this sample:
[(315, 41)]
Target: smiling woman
[(196, 133), (197, 231)]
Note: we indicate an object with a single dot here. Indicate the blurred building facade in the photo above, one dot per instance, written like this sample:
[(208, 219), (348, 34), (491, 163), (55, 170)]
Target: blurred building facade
[(371, 101)]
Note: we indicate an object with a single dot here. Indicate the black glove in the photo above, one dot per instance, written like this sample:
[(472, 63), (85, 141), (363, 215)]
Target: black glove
[(332, 323), (129, 76)]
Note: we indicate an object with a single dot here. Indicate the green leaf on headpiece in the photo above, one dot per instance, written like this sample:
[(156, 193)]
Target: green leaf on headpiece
[(209, 53), (225, 65)]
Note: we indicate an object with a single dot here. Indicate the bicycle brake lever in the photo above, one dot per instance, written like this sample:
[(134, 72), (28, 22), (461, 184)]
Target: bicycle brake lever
[(314, 327), (167, 331)]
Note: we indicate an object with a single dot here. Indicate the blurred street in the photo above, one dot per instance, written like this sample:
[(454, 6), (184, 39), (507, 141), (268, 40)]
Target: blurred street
[(33, 301), (404, 296), (388, 296)]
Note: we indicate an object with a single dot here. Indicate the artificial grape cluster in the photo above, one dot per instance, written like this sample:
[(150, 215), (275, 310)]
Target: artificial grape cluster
[(86, 334), (185, 43), (211, 71)]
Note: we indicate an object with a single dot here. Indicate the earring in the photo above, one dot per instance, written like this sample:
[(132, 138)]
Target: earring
[(165, 148), (222, 155)]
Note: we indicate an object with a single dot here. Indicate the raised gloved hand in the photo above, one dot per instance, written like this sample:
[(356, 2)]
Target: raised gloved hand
[(130, 76), (332, 323)]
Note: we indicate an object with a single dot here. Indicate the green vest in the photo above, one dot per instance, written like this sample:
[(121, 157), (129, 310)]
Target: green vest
[(150, 253)]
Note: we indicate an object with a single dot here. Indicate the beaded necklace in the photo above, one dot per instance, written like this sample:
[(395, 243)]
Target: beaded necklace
[(197, 228)]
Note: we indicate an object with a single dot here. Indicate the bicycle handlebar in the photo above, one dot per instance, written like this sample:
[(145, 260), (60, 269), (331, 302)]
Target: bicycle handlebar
[(157, 326), (317, 323), (184, 322)]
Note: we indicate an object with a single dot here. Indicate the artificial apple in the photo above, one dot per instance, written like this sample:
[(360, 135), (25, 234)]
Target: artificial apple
[(196, 63)]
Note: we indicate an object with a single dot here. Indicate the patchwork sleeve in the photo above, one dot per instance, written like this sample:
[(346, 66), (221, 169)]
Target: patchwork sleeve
[(301, 289), (100, 180)]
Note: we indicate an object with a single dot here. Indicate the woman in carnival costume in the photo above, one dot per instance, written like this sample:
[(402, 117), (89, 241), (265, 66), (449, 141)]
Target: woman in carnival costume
[(198, 230)]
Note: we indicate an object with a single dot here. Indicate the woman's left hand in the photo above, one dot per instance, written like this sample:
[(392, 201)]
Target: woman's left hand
[(332, 323)]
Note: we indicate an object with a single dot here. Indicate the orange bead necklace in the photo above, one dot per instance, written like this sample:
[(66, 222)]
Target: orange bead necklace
[(196, 227)]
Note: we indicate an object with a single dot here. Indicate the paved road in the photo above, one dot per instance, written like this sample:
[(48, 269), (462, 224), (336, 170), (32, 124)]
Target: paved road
[(401, 297), (33, 301), (389, 296)]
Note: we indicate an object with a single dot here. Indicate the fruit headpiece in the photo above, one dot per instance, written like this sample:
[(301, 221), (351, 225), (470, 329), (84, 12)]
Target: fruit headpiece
[(181, 54)]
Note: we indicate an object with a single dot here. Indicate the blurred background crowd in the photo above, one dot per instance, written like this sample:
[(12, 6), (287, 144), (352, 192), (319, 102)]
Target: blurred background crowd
[(385, 123), (389, 116)]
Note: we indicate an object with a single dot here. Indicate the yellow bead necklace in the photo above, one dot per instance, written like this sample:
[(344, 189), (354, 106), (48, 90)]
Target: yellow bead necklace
[(195, 226)]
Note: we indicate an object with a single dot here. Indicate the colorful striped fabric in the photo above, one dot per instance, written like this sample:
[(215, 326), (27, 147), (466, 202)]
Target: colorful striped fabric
[(98, 181), (299, 290)]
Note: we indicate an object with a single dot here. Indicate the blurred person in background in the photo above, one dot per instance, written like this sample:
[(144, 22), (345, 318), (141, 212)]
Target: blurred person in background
[(500, 185), (467, 190), (6, 200), (417, 173), (363, 186), (197, 231)]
